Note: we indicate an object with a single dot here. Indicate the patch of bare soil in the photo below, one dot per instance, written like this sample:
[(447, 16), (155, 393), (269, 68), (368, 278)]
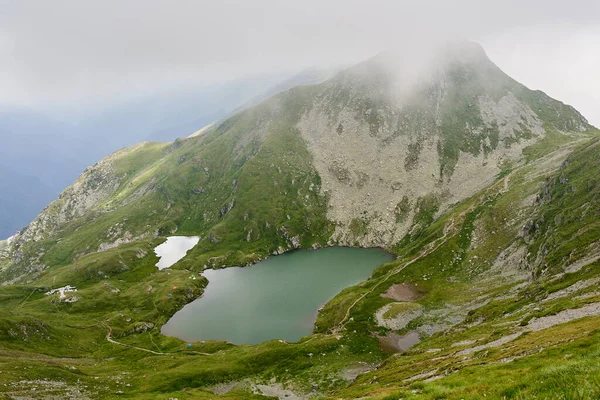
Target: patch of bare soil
[(393, 343), (403, 292)]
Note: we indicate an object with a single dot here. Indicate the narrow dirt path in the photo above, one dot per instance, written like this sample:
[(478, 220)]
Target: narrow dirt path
[(449, 231), (27, 298), (158, 353)]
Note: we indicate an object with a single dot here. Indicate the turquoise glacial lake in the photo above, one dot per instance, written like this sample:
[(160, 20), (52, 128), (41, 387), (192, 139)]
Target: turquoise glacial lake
[(277, 298)]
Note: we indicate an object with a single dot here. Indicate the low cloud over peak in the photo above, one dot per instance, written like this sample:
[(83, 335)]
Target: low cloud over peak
[(72, 52)]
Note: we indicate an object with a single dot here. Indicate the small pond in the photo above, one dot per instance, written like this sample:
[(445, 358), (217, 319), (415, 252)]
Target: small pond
[(174, 249), (278, 298)]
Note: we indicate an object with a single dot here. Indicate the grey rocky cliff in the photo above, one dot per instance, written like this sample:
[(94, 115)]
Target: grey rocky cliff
[(377, 139)]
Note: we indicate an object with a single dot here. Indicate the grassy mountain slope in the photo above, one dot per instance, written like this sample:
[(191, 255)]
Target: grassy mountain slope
[(250, 181)]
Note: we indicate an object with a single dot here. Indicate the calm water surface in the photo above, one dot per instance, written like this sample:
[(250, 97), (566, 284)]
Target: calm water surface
[(277, 298), (174, 249)]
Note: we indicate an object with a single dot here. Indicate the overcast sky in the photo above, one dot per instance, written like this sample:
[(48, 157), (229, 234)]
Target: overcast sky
[(74, 52)]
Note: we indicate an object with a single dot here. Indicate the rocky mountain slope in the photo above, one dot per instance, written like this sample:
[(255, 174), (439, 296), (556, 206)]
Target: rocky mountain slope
[(485, 190)]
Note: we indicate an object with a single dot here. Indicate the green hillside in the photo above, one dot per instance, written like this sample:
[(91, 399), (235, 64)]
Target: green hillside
[(487, 192)]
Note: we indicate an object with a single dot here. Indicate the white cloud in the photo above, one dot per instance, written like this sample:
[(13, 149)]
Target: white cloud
[(561, 60), (74, 51)]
